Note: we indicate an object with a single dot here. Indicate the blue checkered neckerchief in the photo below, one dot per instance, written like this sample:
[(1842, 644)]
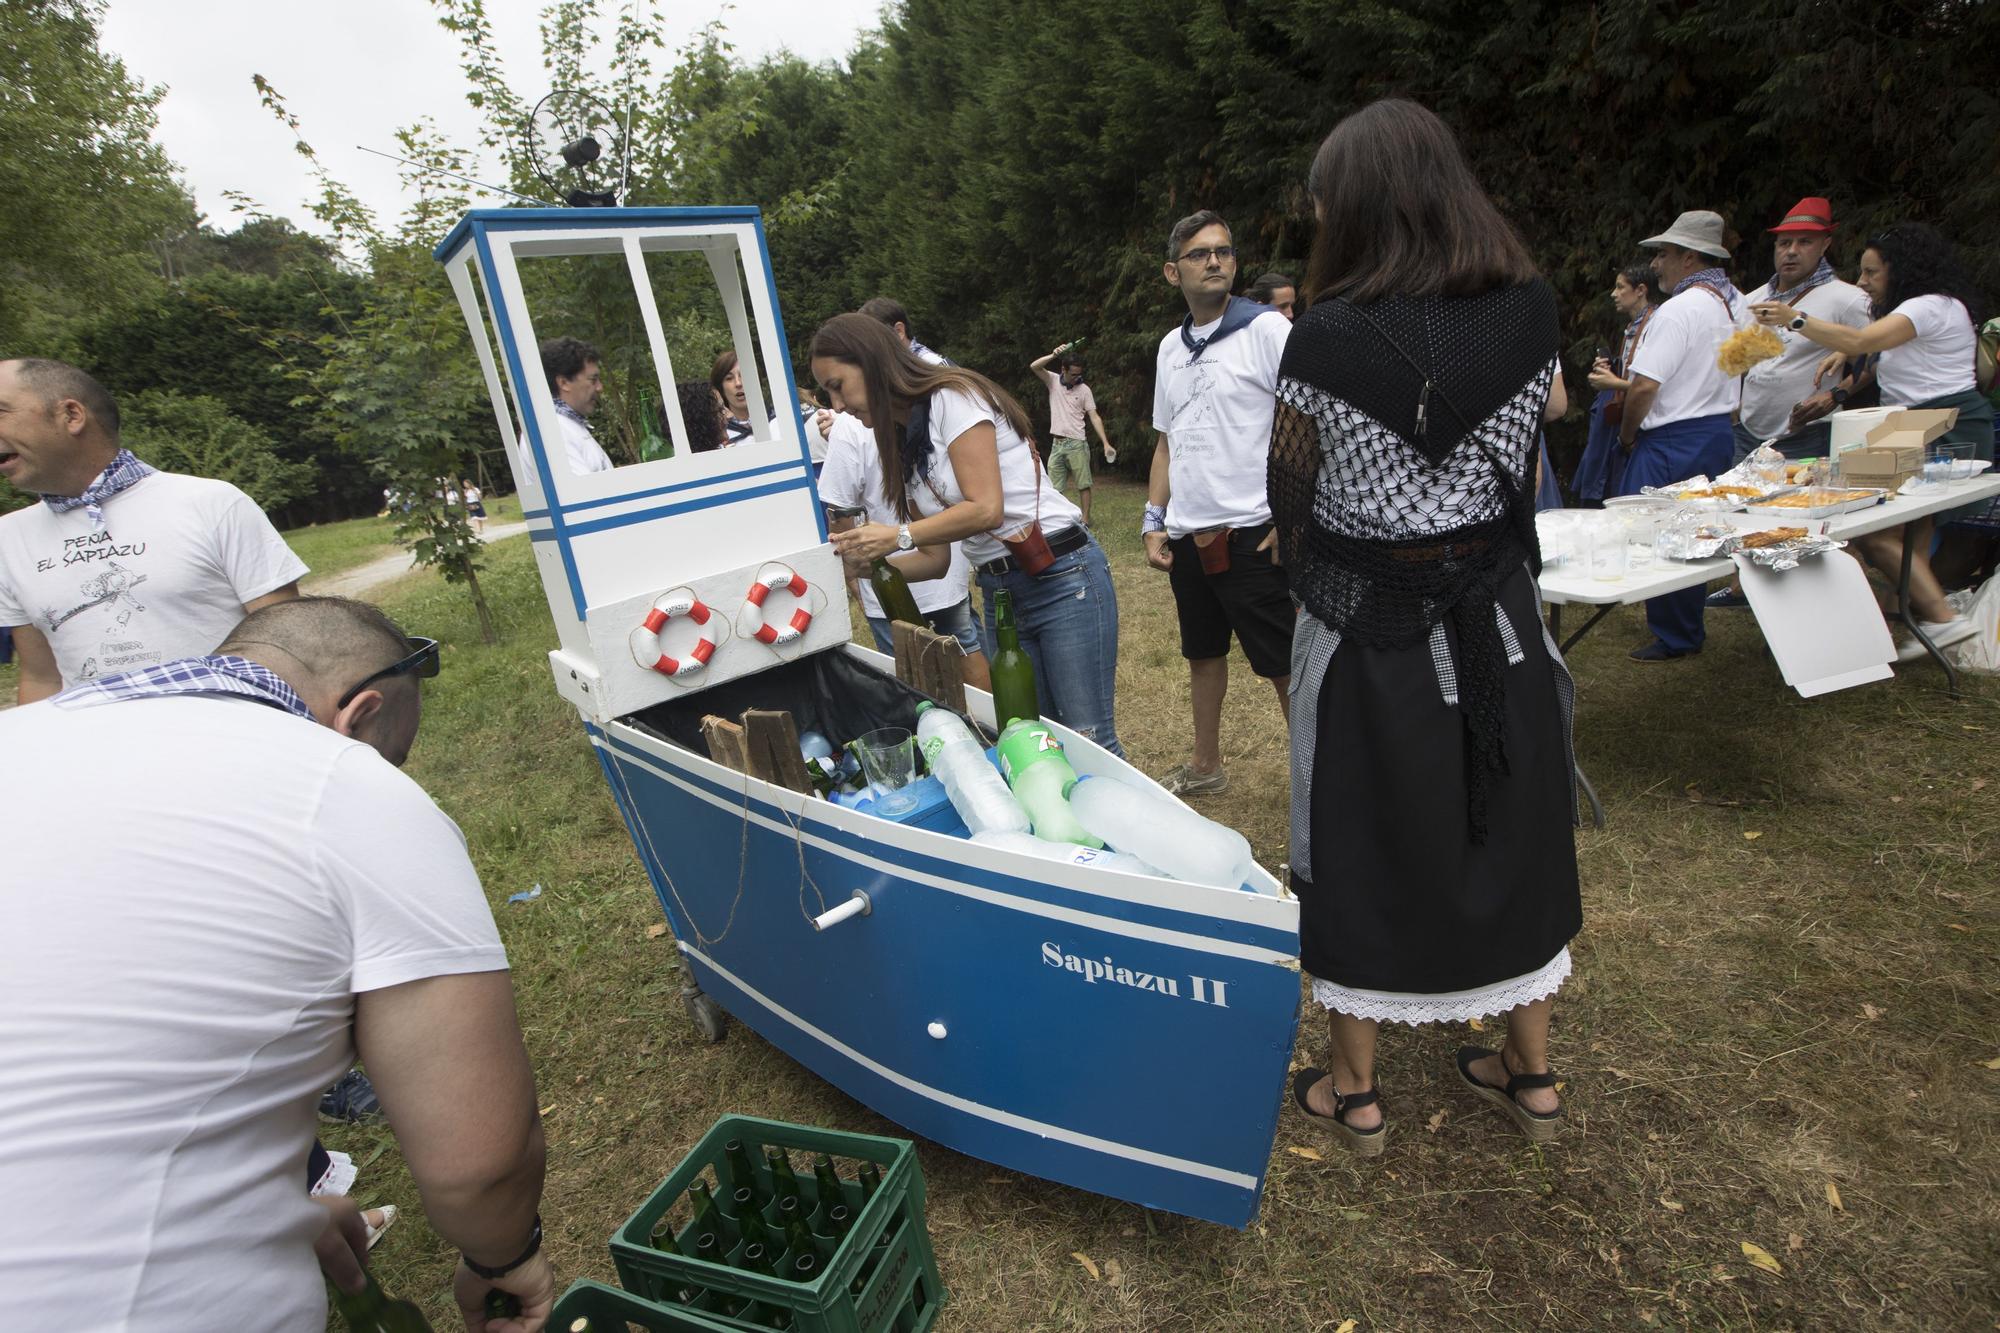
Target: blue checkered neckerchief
[(1819, 277), (125, 470), (190, 675), (1716, 281), (565, 410)]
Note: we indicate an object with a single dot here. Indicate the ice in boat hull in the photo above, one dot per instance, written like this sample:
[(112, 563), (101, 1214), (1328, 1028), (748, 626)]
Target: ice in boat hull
[(1124, 1034)]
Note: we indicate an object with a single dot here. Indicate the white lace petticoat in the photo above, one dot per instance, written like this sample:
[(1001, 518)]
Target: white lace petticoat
[(1449, 1006)]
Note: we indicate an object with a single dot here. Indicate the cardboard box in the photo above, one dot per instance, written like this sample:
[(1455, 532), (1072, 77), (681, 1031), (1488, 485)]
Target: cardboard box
[(1893, 450)]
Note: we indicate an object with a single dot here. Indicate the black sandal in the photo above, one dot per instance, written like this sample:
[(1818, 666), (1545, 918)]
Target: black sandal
[(1360, 1142), (1538, 1127)]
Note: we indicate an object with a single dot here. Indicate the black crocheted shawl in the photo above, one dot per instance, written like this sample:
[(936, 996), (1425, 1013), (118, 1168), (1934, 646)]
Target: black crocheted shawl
[(1402, 479)]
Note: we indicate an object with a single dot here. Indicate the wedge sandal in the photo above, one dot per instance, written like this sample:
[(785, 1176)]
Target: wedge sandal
[(1360, 1142), (1538, 1127)]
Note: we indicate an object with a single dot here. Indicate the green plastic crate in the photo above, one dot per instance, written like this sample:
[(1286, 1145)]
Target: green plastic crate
[(610, 1310), (888, 1248)]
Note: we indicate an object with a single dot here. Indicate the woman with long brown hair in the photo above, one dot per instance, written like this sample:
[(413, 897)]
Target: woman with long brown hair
[(1432, 797), (959, 464)]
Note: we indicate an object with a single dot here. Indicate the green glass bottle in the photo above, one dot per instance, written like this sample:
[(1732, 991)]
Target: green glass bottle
[(663, 1237), (1013, 673), (893, 591), (805, 1267), (742, 1171), (828, 1181), (651, 444), (799, 1240), (372, 1310), (708, 1247), (707, 1217), (790, 1211), (580, 1324), (502, 1304), (871, 1176), (756, 1259), (784, 1182), (839, 1221), (750, 1225)]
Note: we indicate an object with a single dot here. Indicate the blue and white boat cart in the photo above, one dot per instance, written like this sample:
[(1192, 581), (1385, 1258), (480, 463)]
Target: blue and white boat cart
[(1121, 1033)]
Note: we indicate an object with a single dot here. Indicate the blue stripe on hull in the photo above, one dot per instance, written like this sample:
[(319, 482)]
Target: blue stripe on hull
[(1079, 1047)]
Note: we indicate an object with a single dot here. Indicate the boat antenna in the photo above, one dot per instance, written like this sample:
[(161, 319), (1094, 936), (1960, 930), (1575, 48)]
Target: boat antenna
[(440, 171)]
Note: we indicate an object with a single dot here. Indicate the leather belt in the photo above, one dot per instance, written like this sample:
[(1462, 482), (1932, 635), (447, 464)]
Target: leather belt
[(1061, 544)]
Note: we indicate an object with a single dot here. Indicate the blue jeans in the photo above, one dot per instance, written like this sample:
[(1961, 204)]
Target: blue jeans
[(956, 620), (1068, 620), (1672, 453)]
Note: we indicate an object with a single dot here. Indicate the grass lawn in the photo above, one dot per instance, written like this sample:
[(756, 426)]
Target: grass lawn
[(1784, 996), (331, 548)]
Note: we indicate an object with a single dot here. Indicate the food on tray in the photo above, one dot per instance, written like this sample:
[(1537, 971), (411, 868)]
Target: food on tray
[(1814, 499), (1771, 537), (1721, 493), (1745, 348)]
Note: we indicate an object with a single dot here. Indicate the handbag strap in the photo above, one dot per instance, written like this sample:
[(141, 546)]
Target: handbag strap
[(1033, 453)]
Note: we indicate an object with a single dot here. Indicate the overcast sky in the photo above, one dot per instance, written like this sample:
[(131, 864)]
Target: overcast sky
[(353, 71)]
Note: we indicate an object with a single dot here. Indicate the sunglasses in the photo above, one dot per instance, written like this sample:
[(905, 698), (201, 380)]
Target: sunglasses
[(423, 663)]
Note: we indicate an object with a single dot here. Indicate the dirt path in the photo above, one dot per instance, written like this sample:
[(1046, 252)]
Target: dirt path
[(360, 580)]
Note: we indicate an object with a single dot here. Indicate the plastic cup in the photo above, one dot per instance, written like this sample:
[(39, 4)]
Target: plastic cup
[(889, 757), (1607, 548)]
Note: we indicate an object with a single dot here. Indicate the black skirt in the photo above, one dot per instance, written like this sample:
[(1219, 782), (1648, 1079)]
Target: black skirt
[(1402, 899)]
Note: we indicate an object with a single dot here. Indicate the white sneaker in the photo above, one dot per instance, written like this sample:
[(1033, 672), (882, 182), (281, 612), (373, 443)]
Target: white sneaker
[(388, 1214), (1942, 635)]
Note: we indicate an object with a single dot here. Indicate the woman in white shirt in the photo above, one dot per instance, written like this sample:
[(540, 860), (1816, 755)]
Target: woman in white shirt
[(1924, 339), (958, 464)]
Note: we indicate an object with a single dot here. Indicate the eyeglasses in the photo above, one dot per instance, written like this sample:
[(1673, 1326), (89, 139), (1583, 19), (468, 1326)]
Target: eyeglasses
[(1223, 252), (423, 663)]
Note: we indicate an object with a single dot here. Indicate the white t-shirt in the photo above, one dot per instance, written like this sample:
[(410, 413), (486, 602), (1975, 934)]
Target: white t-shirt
[(1772, 388), (584, 452), (210, 883), (1938, 361), (1678, 350), (1215, 410), (1024, 483), (853, 476), (165, 577)]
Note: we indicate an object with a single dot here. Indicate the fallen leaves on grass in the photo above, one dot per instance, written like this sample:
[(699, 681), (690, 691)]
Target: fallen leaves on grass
[(1436, 1122), (1870, 1012), (1089, 1264), (1795, 1242), (1672, 1205), (656, 930), (1475, 1025), (1760, 1257), (1347, 1326), (1994, 1063), (1751, 835), (1113, 1273), (1310, 1154), (1833, 1198)]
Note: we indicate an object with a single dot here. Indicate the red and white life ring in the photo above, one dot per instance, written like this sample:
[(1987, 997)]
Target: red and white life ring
[(646, 639), (776, 577)]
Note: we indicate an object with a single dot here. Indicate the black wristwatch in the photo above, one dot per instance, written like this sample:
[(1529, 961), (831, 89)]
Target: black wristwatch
[(1840, 397), (534, 1247)]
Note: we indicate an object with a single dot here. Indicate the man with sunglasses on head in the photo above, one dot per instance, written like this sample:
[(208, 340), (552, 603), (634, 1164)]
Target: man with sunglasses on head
[(1207, 521), (223, 892)]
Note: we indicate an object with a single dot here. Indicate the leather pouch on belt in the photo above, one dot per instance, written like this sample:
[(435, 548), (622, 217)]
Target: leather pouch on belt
[(1031, 549), (1213, 547)]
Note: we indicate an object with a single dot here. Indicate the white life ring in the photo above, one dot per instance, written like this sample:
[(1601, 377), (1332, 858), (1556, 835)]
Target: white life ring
[(646, 639), (773, 578)]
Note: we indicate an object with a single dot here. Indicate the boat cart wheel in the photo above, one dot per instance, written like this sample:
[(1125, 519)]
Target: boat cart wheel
[(711, 1020)]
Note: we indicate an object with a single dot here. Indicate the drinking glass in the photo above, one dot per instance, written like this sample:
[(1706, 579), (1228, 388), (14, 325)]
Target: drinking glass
[(1607, 548), (889, 758), (1640, 532)]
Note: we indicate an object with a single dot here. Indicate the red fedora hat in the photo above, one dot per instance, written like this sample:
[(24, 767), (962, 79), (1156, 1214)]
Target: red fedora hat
[(1811, 213)]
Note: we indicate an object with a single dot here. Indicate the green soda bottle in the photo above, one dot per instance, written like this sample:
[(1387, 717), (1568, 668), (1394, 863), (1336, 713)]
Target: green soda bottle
[(828, 1181), (372, 1310), (893, 591), (784, 1182), (502, 1304), (1013, 673), (871, 1180), (707, 1217), (651, 444), (742, 1172)]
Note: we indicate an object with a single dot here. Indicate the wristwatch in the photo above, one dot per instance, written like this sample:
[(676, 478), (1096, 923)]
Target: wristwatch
[(904, 541), (534, 1248), (1798, 322), (1840, 397)]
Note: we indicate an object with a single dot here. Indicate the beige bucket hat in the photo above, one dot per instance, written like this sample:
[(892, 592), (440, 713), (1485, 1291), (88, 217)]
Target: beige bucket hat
[(1698, 230)]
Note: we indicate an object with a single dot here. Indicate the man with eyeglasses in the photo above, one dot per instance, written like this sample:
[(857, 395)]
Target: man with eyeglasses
[(224, 891), (1207, 521)]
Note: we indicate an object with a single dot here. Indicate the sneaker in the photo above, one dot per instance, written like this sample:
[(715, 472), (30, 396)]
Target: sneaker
[(1942, 635), (1658, 652), (1188, 781), (1726, 599), (351, 1100)]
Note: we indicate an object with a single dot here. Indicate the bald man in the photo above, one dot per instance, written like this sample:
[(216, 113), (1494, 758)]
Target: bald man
[(229, 893)]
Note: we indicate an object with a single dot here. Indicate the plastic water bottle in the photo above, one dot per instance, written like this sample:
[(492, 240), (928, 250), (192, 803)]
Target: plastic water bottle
[(1032, 760), (977, 792), (1068, 853), (1161, 832)]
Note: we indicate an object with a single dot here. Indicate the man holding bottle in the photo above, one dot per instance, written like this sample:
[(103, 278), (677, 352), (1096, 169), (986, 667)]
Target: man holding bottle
[(202, 944), (1207, 522), (1070, 405)]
